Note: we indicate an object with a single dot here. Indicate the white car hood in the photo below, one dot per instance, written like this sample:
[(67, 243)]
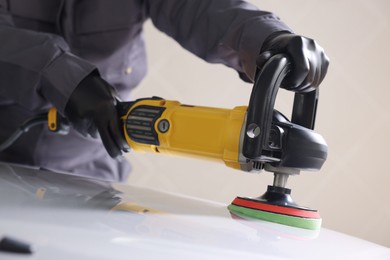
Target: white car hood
[(70, 217)]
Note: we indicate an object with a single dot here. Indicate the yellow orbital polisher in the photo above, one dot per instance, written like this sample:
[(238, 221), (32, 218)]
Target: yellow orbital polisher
[(249, 138), (252, 138)]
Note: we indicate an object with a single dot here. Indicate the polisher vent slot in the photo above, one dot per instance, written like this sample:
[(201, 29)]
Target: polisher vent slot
[(258, 166)]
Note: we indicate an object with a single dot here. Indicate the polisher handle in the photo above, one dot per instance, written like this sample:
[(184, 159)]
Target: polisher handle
[(262, 102), (305, 109)]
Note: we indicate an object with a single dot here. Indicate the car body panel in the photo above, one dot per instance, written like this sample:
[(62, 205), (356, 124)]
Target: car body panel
[(64, 216)]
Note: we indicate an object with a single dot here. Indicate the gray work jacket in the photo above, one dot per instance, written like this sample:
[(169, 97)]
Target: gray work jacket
[(48, 46)]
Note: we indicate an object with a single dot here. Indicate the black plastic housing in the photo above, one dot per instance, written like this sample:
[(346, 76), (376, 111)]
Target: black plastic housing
[(301, 148)]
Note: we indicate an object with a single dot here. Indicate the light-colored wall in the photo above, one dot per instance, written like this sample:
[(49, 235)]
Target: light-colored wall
[(352, 190)]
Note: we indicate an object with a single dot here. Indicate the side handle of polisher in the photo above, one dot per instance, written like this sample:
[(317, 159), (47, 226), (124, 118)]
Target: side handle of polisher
[(261, 106)]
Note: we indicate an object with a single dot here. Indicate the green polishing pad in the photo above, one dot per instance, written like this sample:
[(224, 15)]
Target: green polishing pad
[(296, 217)]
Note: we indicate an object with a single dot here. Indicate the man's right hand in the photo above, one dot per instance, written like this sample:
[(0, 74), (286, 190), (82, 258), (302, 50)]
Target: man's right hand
[(91, 110)]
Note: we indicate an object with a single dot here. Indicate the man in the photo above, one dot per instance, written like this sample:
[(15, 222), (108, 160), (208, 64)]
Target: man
[(73, 54)]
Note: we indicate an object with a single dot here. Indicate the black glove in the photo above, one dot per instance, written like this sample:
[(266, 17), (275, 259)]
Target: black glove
[(91, 109), (309, 60)]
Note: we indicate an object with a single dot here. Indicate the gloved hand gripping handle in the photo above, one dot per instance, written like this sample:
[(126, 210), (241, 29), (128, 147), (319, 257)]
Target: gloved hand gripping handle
[(262, 102)]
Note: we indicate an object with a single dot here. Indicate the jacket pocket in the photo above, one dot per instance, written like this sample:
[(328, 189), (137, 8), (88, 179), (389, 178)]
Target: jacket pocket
[(96, 16), (40, 10)]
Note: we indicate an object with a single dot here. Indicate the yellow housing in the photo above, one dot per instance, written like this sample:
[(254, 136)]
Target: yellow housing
[(195, 131)]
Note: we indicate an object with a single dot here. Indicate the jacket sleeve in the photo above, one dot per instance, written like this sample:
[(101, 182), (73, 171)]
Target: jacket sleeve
[(230, 32), (36, 67)]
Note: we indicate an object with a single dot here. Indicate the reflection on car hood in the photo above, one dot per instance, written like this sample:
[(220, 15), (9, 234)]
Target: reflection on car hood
[(64, 216)]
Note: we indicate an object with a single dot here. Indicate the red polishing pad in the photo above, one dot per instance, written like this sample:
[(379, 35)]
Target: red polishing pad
[(285, 210), (277, 206)]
